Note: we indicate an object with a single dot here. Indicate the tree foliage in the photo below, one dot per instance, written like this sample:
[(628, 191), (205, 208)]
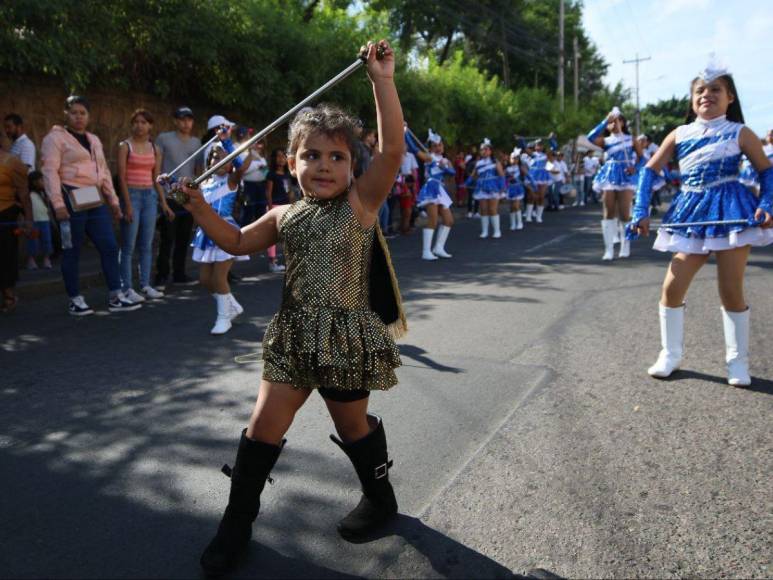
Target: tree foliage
[(258, 57)]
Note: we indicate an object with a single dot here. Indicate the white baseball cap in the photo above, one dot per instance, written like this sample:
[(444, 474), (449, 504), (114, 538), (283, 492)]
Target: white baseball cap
[(217, 121)]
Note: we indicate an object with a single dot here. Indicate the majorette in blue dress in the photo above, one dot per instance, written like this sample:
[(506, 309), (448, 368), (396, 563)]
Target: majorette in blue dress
[(709, 155), (515, 188), (217, 193), (617, 173), (488, 184), (433, 190), (537, 169)]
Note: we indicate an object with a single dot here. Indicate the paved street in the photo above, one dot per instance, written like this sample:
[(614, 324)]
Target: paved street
[(525, 431)]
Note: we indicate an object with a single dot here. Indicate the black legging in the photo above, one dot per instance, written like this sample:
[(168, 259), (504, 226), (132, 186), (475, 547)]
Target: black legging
[(9, 248)]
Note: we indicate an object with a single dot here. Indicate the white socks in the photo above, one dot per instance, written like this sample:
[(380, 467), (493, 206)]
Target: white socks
[(484, 221), (608, 229), (495, 226), (440, 242), (736, 327), (426, 244), (671, 341)]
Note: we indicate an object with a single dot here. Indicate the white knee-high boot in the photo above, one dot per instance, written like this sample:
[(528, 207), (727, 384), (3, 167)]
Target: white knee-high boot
[(671, 341), (484, 221), (625, 243), (736, 327), (223, 321), (529, 211), (236, 308), (518, 220), (513, 221), (495, 225), (608, 228), (440, 241), (426, 244), (540, 211)]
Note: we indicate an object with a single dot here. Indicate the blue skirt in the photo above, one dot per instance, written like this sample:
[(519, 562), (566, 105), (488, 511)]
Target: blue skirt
[(540, 176), (612, 175), (516, 190), (723, 202), (489, 187), (433, 192)]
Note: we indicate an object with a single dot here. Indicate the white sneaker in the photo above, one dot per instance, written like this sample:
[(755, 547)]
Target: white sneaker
[(275, 267), (151, 293), (121, 303), (133, 296), (78, 307)]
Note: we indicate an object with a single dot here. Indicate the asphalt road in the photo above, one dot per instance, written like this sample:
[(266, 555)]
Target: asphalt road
[(525, 431)]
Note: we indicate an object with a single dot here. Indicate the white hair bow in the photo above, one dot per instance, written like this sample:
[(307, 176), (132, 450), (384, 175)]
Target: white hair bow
[(433, 137), (486, 143), (516, 152), (713, 69), (616, 112)]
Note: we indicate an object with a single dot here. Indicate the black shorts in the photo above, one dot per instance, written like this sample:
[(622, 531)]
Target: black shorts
[(344, 395)]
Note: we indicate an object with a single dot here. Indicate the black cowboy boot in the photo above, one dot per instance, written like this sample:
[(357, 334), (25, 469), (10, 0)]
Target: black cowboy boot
[(254, 462), (378, 504)]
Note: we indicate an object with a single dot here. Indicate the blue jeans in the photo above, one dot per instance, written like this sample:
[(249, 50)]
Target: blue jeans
[(140, 233), (97, 224), (42, 244), (588, 189)]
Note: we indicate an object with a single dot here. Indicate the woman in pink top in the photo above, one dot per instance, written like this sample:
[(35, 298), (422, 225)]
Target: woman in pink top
[(71, 159), (138, 163)]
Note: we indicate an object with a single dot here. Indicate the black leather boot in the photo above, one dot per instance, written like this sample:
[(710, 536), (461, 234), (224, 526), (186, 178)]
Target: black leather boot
[(254, 462), (378, 504)]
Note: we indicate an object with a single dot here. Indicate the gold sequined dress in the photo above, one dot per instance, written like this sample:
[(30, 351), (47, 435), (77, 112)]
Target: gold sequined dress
[(326, 334)]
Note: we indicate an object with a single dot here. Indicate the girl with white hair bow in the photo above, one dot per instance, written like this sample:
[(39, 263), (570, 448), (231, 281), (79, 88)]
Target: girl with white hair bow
[(489, 186), (434, 198)]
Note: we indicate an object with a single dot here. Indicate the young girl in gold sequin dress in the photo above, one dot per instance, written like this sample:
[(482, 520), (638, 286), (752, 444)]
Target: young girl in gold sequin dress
[(334, 331)]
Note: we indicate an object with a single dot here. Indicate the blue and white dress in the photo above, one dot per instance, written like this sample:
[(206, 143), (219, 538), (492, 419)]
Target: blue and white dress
[(709, 155), (222, 199), (488, 184), (433, 190), (538, 169), (515, 188), (619, 159)]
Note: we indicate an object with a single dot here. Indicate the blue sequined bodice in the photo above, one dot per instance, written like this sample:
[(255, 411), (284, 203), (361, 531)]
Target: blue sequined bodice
[(538, 161), (619, 148), (436, 169), (708, 152), (486, 168)]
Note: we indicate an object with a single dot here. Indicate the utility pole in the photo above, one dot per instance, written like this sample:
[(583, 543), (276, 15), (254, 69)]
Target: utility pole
[(576, 73), (636, 61), (561, 54)]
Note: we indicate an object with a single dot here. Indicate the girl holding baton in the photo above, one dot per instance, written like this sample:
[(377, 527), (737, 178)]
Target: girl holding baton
[(713, 212)]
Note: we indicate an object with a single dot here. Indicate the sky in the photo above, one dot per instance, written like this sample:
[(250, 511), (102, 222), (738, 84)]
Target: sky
[(679, 35)]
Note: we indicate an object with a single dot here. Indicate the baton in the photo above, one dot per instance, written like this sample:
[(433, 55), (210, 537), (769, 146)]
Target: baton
[(749, 222), (416, 139), (362, 59)]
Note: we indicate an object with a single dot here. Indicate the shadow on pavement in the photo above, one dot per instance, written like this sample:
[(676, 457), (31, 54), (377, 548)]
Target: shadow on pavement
[(758, 385), (420, 355)]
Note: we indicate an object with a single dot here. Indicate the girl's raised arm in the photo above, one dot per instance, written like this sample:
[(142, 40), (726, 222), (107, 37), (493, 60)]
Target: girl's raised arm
[(374, 185)]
